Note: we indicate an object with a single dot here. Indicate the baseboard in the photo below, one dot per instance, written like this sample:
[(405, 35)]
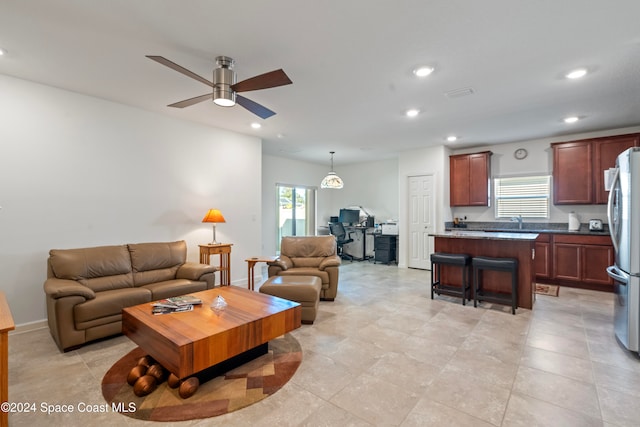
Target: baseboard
[(28, 327)]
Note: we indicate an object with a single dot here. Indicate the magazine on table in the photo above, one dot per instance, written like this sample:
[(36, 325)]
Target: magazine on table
[(160, 309), (180, 301)]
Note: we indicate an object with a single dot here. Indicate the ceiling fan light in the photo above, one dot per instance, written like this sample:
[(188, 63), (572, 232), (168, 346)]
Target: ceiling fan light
[(223, 78), (225, 101)]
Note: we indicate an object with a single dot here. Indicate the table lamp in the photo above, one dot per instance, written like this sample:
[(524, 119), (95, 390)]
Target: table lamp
[(214, 216)]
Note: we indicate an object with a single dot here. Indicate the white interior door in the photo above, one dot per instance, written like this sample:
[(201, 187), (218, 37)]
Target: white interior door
[(421, 220)]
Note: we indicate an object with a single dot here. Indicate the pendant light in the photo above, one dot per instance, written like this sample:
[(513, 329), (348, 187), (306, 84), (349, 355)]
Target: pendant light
[(332, 180)]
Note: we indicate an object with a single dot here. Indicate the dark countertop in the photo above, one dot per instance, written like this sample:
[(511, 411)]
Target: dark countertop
[(527, 227), (485, 235)]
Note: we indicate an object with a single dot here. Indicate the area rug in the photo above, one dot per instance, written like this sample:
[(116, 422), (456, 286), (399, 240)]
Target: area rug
[(551, 290), (234, 390)]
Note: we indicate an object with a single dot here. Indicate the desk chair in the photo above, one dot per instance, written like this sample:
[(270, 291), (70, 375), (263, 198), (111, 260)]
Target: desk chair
[(337, 229)]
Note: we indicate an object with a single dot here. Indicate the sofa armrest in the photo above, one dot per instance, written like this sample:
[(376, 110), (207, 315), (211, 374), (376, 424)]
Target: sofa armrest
[(284, 262), (330, 261), (194, 271), (60, 288)]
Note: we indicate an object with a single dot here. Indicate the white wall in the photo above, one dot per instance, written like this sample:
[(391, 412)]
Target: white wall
[(77, 171), (539, 160), (372, 185)]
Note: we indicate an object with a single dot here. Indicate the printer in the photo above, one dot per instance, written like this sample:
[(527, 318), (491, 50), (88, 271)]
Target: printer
[(389, 227)]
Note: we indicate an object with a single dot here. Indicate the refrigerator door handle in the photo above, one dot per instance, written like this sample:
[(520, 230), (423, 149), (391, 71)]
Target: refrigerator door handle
[(613, 229), (618, 275)]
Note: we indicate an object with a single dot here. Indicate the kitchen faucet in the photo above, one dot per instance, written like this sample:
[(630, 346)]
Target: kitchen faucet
[(519, 219)]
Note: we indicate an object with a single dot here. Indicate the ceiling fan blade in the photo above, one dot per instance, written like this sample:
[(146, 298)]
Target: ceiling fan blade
[(180, 69), (191, 101), (263, 81), (254, 107)]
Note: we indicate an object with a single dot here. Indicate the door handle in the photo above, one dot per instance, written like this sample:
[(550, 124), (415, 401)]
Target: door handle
[(613, 272), (613, 228)]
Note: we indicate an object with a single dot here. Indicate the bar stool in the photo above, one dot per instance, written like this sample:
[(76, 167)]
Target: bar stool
[(457, 260), (509, 265)]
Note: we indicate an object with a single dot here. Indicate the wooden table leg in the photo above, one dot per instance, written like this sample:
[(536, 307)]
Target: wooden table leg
[(251, 274)]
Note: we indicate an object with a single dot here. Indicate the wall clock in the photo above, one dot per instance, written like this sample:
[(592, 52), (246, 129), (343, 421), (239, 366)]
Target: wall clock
[(520, 153)]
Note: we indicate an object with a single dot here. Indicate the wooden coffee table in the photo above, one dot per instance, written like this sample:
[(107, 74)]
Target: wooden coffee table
[(190, 342)]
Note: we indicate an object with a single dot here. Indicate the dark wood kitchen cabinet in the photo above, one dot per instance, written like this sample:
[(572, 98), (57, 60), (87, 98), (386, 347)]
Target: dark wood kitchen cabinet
[(469, 179), (543, 257), (582, 260), (605, 153), (578, 168), (572, 173)]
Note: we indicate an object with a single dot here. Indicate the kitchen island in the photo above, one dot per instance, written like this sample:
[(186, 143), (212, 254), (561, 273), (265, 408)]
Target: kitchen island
[(493, 244)]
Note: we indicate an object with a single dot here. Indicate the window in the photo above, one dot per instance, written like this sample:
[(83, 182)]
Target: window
[(296, 211), (523, 195)]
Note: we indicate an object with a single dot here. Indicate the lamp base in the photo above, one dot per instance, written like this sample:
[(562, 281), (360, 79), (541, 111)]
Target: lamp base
[(214, 242)]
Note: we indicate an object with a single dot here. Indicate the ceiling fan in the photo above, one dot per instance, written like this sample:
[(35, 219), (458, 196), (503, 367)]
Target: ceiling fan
[(225, 87)]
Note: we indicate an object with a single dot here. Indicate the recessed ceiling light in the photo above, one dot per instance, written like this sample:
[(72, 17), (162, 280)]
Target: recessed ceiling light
[(576, 74), (412, 112), (572, 119), (2, 52), (256, 125), (423, 71), (452, 138)]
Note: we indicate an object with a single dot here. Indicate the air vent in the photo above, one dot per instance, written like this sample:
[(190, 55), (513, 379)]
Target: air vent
[(457, 93)]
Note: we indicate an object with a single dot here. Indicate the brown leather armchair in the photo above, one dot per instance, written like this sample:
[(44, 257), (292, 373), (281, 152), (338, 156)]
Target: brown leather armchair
[(309, 256)]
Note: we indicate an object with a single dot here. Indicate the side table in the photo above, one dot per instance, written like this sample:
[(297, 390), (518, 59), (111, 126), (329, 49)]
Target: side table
[(224, 250), (251, 263)]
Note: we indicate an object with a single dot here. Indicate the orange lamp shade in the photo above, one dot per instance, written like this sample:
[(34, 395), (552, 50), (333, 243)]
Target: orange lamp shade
[(214, 215)]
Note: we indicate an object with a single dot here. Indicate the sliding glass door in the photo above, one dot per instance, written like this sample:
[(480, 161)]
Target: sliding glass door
[(296, 214)]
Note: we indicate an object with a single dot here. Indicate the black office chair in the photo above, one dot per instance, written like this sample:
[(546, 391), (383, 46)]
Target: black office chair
[(337, 229)]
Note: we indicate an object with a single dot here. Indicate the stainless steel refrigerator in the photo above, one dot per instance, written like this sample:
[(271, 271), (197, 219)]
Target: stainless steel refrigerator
[(624, 226)]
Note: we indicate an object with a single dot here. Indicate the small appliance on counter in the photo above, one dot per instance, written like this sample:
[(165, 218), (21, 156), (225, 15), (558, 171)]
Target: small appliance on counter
[(595, 225), (574, 222)]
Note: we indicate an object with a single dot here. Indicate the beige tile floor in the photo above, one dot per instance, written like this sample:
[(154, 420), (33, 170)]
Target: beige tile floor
[(385, 354)]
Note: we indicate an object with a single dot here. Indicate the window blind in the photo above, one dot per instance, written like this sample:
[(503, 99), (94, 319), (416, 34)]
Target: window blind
[(523, 195)]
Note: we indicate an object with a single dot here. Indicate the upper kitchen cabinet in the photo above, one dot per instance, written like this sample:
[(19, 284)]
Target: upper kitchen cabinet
[(572, 173), (469, 179), (605, 153), (578, 168)]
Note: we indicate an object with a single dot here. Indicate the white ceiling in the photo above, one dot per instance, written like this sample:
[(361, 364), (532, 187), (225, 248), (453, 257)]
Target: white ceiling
[(351, 63)]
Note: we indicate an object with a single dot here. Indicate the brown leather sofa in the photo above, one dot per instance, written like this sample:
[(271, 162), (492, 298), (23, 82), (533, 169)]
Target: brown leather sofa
[(86, 289), (309, 256)]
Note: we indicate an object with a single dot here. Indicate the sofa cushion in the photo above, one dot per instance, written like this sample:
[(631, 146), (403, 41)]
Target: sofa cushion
[(100, 268), (156, 262), (107, 304), (174, 288)]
